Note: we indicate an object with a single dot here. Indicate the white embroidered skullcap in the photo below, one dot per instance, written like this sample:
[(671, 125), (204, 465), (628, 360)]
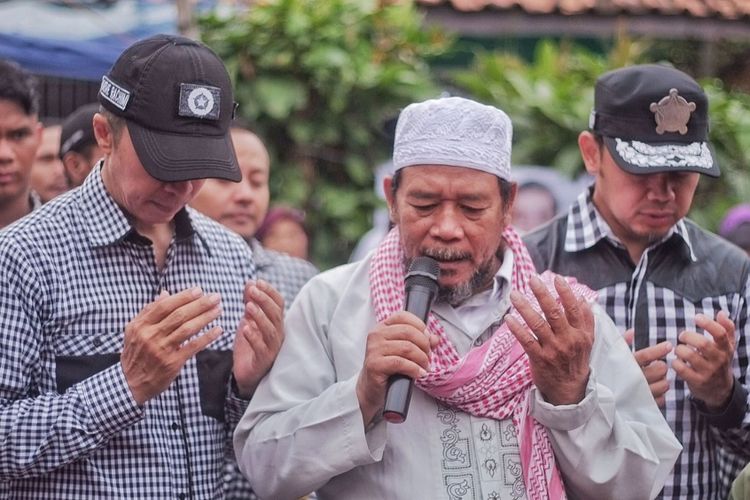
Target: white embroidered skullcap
[(454, 131)]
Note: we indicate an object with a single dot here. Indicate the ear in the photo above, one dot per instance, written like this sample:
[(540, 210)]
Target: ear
[(103, 134), (73, 163), (389, 198), (591, 152), (507, 216)]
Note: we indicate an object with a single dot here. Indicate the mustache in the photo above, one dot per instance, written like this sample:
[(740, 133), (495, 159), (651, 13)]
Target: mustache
[(446, 254)]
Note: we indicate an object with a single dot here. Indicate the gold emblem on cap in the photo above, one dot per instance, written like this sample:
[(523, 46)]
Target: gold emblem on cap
[(672, 113)]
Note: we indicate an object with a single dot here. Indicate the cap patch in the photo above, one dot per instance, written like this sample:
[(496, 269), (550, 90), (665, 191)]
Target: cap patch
[(114, 93), (672, 113), (677, 156), (200, 101)]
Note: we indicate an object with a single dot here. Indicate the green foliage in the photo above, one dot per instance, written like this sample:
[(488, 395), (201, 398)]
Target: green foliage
[(317, 78), (549, 101)]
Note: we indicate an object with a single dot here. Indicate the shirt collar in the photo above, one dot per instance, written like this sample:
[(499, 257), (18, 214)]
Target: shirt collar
[(34, 200), (105, 222), (586, 227), (502, 276), (261, 256)]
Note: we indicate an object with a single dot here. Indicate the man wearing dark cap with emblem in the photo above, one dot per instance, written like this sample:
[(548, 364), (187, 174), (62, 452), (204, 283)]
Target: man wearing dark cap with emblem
[(680, 291), (133, 330), (78, 148)]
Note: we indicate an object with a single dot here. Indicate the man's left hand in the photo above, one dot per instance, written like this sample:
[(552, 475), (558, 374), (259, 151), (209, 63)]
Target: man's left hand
[(561, 343), (259, 335), (705, 362)]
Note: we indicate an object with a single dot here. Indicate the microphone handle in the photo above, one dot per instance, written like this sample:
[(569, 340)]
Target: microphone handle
[(398, 393)]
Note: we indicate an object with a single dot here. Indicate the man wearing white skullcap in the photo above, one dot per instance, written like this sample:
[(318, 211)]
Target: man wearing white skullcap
[(506, 404)]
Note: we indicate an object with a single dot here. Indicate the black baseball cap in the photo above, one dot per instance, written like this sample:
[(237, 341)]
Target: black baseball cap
[(653, 118), (176, 97), (78, 129)]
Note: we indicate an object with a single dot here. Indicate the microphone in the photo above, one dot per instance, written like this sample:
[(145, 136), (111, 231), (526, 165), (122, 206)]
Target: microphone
[(421, 287)]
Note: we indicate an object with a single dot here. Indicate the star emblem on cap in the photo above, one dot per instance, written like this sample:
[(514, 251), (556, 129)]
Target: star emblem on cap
[(201, 102), (672, 113)]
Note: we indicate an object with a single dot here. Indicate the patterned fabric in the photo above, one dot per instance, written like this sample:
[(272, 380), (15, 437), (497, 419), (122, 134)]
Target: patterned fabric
[(492, 380), (687, 272), (454, 131), (72, 274), (286, 274)]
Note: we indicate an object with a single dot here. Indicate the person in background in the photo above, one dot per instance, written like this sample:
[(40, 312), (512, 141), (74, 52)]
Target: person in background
[(79, 151), (506, 403), (735, 226), (47, 173), (680, 291), (535, 204), (241, 207), (134, 330), (381, 223), (284, 230), (20, 136)]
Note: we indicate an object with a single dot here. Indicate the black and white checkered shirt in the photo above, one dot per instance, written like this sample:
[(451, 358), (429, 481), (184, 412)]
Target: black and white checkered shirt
[(287, 275), (72, 274), (687, 272)]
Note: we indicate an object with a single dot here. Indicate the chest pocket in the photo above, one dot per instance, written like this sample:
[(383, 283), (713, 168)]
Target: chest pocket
[(70, 370), (214, 369)]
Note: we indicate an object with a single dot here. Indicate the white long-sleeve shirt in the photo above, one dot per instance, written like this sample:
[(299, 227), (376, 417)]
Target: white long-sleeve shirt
[(303, 430)]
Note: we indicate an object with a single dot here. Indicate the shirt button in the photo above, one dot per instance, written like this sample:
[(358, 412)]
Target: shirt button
[(97, 341), (176, 426), (182, 496)]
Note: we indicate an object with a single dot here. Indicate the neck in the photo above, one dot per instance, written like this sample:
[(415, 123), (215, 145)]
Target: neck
[(635, 244), (160, 236), (13, 209)]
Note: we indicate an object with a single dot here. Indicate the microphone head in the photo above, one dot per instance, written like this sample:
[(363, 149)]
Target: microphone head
[(423, 271)]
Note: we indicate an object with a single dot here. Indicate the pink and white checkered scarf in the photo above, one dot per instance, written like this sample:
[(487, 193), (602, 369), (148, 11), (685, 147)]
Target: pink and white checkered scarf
[(492, 380)]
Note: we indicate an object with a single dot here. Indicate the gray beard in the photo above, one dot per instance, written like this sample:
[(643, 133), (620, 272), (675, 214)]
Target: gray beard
[(457, 294)]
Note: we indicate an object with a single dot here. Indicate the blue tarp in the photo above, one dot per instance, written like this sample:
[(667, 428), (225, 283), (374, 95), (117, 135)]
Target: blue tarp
[(78, 43), (76, 59)]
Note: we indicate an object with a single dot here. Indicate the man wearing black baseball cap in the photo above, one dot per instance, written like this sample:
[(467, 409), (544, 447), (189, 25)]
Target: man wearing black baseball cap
[(78, 148), (679, 293), (122, 373)]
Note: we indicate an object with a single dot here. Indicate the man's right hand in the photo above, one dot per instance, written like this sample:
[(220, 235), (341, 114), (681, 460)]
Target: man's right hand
[(162, 337), (397, 345), (651, 361)]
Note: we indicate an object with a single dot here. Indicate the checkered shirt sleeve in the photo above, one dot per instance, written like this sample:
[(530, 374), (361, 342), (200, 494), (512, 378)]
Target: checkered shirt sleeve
[(72, 275)]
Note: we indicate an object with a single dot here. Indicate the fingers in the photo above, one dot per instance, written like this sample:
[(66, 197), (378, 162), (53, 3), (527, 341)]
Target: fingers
[(554, 317), (407, 319), (721, 330), (197, 344), (629, 336), (404, 328), (575, 308), (535, 322), (524, 336), (267, 298), (655, 372), (648, 355), (190, 318), (400, 336), (166, 303), (265, 311), (557, 318)]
